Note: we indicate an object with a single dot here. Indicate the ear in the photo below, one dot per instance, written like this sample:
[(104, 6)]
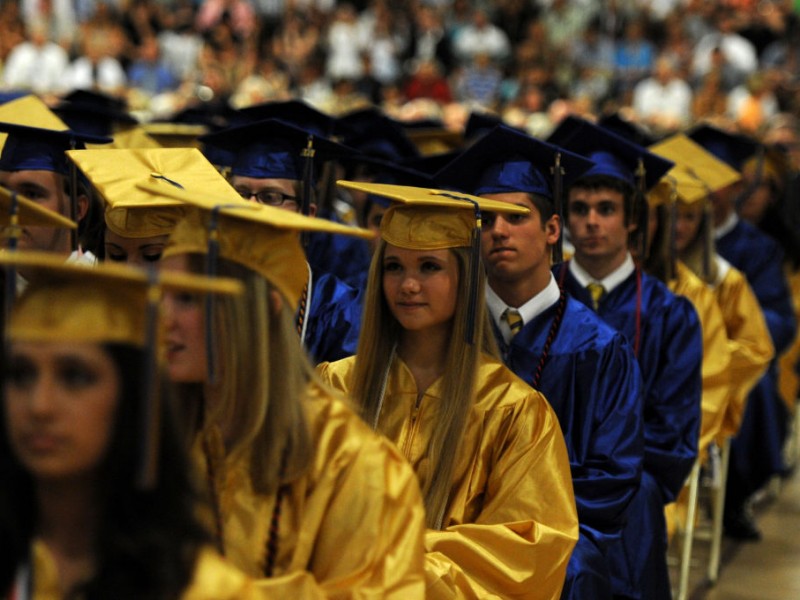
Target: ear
[(312, 210), (83, 206), (275, 302), (552, 229)]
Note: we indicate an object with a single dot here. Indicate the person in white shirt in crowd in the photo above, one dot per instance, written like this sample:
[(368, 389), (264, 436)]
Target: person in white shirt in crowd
[(37, 64), (663, 100)]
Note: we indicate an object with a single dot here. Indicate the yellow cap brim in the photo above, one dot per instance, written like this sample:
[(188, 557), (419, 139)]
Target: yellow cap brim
[(29, 213)]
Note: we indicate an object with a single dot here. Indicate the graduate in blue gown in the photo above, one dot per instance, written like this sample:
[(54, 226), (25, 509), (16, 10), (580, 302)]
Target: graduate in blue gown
[(584, 368), (757, 450), (269, 165), (663, 330)]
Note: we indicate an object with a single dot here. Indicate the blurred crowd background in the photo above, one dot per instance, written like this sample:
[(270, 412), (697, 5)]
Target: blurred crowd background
[(664, 63)]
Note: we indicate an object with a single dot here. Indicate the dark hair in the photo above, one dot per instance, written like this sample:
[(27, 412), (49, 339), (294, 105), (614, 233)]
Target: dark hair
[(147, 541)]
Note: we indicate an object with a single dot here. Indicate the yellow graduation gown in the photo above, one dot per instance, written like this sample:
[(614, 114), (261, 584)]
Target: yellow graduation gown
[(788, 379), (351, 527), (716, 352), (214, 578), (510, 523), (749, 341)]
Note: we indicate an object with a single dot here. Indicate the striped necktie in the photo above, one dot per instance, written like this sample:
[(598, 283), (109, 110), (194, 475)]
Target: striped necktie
[(514, 320), (597, 291)]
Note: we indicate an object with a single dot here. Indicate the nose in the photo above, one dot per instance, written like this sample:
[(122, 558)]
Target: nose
[(499, 228), (409, 285), (41, 397), (591, 217)]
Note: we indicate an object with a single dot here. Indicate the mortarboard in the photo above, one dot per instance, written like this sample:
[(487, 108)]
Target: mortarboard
[(697, 171), (259, 237), (273, 149), (506, 160), (627, 129), (295, 112), (135, 213), (431, 137), (108, 303), (731, 148), (374, 134), (175, 135), (613, 155), (433, 219), (93, 112), (35, 149), (479, 124)]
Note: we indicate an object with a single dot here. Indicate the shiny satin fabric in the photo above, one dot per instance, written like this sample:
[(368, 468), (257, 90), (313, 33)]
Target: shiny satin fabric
[(749, 343), (716, 372), (214, 578), (334, 319), (510, 523), (670, 358), (592, 381), (351, 527)]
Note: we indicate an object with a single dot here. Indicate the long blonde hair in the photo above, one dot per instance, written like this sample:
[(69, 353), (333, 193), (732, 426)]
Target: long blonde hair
[(380, 333), (700, 252), (264, 374)]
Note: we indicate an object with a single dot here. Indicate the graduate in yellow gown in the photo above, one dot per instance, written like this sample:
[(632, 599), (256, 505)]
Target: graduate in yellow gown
[(487, 449), (305, 497), (87, 512), (698, 174)]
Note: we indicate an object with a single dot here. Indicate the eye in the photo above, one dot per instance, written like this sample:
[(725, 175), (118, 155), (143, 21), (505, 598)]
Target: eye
[(430, 266), (152, 257), (187, 299), (76, 374), (578, 209), (20, 373), (117, 257), (391, 266), (607, 209), (487, 220), (514, 219)]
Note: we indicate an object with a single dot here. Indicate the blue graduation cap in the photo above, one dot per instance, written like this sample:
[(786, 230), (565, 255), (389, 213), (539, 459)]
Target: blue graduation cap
[(507, 160), (273, 149), (93, 112), (613, 155), (296, 112), (627, 129), (731, 148), (479, 124), (37, 149), (373, 133)]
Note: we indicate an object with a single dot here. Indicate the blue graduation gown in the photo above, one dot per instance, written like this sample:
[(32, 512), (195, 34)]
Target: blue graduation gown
[(334, 319), (757, 450), (592, 380), (344, 256), (670, 357)]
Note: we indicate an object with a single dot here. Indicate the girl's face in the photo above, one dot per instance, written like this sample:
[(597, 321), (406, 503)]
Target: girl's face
[(420, 286), (687, 225), (184, 325), (60, 404)]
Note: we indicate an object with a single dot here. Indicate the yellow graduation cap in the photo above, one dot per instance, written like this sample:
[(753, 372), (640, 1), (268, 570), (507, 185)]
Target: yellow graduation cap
[(109, 303), (694, 166), (29, 111), (259, 237), (133, 212), (104, 303), (431, 219), (771, 163)]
